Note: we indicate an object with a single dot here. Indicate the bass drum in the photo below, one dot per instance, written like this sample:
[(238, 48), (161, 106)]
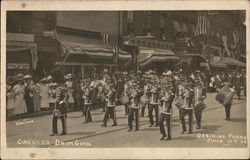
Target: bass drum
[(225, 95)]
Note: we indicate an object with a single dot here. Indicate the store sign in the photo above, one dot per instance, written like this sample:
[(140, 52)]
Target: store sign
[(18, 66), (20, 37), (147, 51)]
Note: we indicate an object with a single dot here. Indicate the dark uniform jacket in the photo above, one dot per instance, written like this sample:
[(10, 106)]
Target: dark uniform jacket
[(61, 99)]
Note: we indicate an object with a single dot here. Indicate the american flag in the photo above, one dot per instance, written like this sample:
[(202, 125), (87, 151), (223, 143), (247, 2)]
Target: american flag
[(202, 24), (109, 42)]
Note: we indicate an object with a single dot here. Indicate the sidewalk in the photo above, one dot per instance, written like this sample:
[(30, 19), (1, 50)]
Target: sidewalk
[(41, 113)]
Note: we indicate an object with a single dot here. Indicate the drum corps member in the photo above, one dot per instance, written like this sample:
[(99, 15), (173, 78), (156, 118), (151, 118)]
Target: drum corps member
[(154, 106), (187, 108), (145, 98), (87, 94), (110, 110), (199, 105), (166, 112), (134, 107), (60, 110)]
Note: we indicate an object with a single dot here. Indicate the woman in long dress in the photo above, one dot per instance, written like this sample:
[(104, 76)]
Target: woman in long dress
[(20, 105), (10, 101)]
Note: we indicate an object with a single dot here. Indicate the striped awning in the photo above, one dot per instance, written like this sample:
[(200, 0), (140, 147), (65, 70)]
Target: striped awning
[(149, 55), (92, 48), (233, 62)]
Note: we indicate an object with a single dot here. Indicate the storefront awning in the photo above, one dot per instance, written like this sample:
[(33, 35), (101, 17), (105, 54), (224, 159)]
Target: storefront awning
[(19, 42), (233, 62), (192, 55), (218, 65), (149, 55), (87, 48), (224, 62)]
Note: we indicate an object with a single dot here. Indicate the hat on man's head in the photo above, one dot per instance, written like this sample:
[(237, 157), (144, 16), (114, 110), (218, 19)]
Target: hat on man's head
[(43, 79), (150, 71), (20, 75), (168, 73), (49, 77), (105, 70), (27, 76), (53, 85), (68, 76)]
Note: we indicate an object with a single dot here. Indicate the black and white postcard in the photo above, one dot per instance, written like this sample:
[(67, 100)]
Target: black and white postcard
[(124, 79)]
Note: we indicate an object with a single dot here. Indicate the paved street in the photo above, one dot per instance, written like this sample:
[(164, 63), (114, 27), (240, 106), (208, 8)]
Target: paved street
[(215, 132)]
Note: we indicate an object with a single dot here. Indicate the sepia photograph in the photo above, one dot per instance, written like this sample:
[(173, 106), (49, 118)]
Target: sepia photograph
[(125, 78)]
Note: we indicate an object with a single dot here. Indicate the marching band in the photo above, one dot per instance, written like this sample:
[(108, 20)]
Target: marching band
[(137, 93)]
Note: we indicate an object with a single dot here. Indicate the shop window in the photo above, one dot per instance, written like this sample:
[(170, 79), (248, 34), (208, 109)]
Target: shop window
[(18, 22), (148, 22), (130, 19), (149, 33)]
